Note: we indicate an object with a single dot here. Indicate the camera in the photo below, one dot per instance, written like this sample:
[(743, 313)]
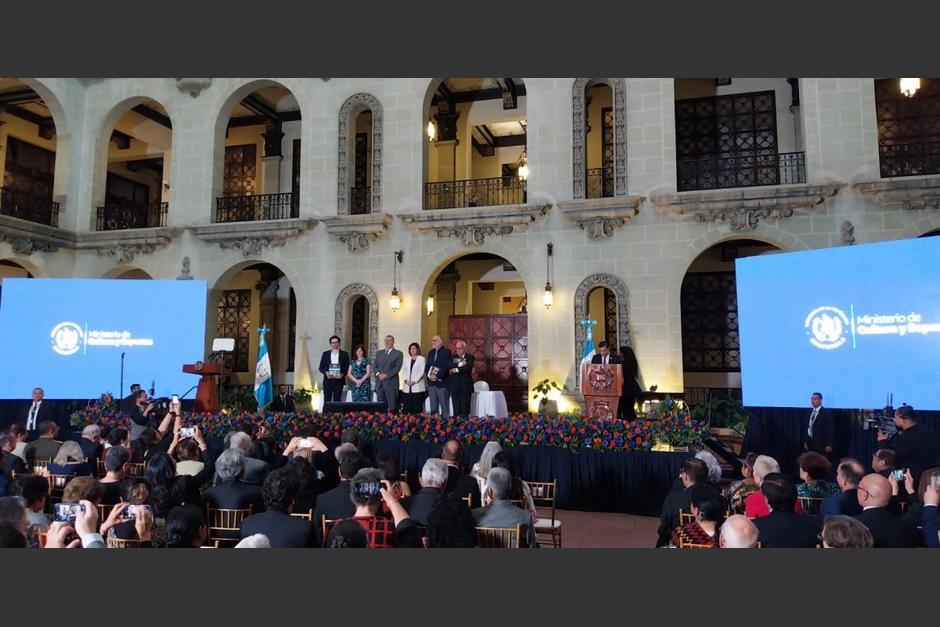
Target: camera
[(160, 405), (898, 474), (130, 512), (68, 512), (881, 420), (187, 432), (369, 490)]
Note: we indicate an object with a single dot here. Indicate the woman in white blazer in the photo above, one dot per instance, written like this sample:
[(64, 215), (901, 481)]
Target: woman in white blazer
[(414, 387)]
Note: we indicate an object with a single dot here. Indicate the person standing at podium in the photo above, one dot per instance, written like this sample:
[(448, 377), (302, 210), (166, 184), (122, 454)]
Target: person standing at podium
[(334, 366), (604, 356)]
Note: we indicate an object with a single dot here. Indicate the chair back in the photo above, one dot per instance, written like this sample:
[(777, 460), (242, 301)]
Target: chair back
[(543, 496), (102, 471), (57, 485), (481, 386), (41, 464), (326, 524), (685, 517), (120, 543), (134, 469), (226, 521), (104, 511), (498, 537), (810, 504), (307, 515), (469, 500), (686, 542)]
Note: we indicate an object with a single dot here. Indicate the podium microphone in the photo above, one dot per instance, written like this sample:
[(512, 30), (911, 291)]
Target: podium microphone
[(152, 387)]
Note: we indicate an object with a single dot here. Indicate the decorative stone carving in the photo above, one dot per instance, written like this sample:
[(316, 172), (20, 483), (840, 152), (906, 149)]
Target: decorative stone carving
[(601, 217), (475, 235), (344, 304), (912, 194), (251, 238), (354, 105), (126, 245), (473, 224), (744, 209), (184, 272), (251, 246), (358, 241), (616, 285), (358, 232), (578, 140), (848, 233), (28, 246), (126, 253), (193, 86)]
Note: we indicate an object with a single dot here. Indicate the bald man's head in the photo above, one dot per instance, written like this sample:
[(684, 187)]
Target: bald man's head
[(452, 452), (738, 532), (849, 474), (874, 491)]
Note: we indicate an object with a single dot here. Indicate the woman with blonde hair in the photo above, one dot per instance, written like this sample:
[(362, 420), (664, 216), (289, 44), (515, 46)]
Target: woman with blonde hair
[(70, 461)]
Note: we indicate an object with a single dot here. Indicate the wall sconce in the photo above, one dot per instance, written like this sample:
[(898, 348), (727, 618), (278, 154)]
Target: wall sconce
[(430, 304), (432, 131), (394, 301), (548, 296), (909, 86)]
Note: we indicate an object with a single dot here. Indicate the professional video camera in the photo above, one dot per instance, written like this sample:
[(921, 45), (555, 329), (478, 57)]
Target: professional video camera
[(160, 405), (882, 419)]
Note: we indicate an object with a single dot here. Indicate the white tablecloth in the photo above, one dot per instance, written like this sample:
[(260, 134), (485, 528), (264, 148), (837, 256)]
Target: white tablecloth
[(489, 404)]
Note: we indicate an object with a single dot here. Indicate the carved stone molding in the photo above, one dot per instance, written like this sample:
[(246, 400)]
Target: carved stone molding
[(126, 245), (358, 232), (744, 209), (616, 285), (473, 224), (185, 274), (354, 105), (344, 306), (251, 238), (28, 245), (578, 139), (27, 237), (126, 253), (912, 194), (600, 217), (193, 86)]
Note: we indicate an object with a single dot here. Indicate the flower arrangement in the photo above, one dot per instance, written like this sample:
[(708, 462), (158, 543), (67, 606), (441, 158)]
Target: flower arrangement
[(675, 426)]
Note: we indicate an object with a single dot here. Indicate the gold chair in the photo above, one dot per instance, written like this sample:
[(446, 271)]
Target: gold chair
[(134, 469), (469, 500), (104, 511), (543, 497), (686, 518), (498, 537), (308, 515), (40, 465), (810, 504), (326, 524), (119, 543), (225, 521), (102, 471), (686, 542), (57, 485)]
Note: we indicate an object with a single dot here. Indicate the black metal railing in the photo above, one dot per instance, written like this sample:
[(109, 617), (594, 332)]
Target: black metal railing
[(741, 171), (909, 159), (255, 208), (599, 183), (500, 190), (132, 216), (360, 200), (27, 207)]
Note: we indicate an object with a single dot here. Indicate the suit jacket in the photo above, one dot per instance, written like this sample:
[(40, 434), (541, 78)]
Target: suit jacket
[(12, 463), (93, 452), (414, 372), (463, 485), (343, 364), (889, 530), (931, 538), (389, 364), (41, 448), (255, 471), (235, 495), (462, 380), (334, 504), (505, 514), (841, 504), (915, 449), (442, 359), (283, 530), (613, 359), (785, 529), (669, 517), (286, 404), (419, 505), (824, 432), (46, 412)]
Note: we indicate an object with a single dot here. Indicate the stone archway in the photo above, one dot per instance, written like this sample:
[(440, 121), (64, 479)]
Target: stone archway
[(578, 140), (355, 104), (616, 285), (343, 310)]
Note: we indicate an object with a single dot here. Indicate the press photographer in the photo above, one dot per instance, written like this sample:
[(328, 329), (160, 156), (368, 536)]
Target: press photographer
[(912, 444)]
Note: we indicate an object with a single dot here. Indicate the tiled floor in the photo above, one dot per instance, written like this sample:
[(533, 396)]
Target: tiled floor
[(605, 530)]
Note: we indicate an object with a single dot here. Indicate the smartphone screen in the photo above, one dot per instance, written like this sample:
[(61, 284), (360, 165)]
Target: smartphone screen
[(67, 512)]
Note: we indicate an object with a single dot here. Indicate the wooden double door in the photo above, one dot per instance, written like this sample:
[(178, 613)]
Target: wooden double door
[(500, 348)]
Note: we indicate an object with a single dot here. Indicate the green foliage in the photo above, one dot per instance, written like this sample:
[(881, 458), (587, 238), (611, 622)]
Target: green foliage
[(543, 388), (239, 398), (724, 413)]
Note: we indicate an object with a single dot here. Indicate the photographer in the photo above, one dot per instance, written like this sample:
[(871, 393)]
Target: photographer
[(912, 444), (365, 490), (140, 414)]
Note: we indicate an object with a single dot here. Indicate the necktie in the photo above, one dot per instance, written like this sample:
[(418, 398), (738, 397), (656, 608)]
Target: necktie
[(812, 419), (388, 351), (31, 422)]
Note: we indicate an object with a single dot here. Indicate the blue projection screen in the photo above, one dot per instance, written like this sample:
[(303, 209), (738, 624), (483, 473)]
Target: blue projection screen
[(67, 335), (855, 323)]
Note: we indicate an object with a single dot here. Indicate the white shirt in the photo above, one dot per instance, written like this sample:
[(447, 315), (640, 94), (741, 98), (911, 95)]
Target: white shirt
[(31, 416), (334, 357), (812, 419)]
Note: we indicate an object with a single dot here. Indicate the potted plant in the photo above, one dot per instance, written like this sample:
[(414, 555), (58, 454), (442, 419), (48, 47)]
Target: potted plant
[(303, 399), (544, 389)]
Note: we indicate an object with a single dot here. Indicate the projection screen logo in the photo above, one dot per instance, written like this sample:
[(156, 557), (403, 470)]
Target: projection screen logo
[(826, 327), (829, 328), (69, 338)]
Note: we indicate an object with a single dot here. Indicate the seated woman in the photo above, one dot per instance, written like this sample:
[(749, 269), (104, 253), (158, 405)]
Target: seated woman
[(70, 461), (301, 463), (387, 462), (482, 468), (189, 458), (814, 469), (708, 508), (520, 489), (739, 490), (115, 460), (134, 491)]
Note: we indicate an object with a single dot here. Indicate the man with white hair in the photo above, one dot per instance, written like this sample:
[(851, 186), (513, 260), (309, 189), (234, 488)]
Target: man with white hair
[(255, 469), (738, 532), (433, 480), (256, 541), (92, 446), (500, 512)]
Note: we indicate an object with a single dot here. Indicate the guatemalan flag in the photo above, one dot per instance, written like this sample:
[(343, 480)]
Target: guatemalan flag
[(588, 341), (264, 389)]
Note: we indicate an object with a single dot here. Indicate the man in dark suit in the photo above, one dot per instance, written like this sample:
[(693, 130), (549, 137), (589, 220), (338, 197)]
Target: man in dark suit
[(38, 410), (499, 512), (845, 503), (889, 530), (334, 366), (230, 492), (694, 472), (337, 504), (283, 401), (821, 432), (92, 448), (283, 530), (604, 356), (386, 366), (884, 462), (255, 469), (11, 463), (458, 482), (783, 528), (438, 369), (461, 379), (433, 481), (129, 401), (912, 444)]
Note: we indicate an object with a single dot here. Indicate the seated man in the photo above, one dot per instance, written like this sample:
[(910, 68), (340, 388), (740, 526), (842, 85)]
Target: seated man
[(457, 482), (499, 512), (45, 446), (229, 491), (335, 504), (845, 503), (365, 493), (845, 532), (92, 446), (694, 472), (783, 527), (888, 529), (883, 462), (255, 469), (283, 530), (433, 479), (284, 401), (738, 532), (12, 463)]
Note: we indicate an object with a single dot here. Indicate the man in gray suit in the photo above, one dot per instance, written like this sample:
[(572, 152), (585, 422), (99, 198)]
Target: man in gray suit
[(255, 469), (386, 365), (500, 512)]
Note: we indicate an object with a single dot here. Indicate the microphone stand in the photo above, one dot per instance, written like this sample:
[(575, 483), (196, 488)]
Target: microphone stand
[(121, 391)]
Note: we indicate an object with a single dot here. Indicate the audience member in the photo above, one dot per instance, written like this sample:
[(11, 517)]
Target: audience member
[(451, 524), (845, 532), (457, 481), (45, 447), (499, 512), (740, 489), (255, 469), (482, 467), (347, 534), (915, 447), (887, 528), (694, 471), (134, 491), (70, 462), (230, 491), (883, 462), (520, 492), (18, 431), (929, 520), (814, 470), (433, 479), (365, 493), (83, 489), (115, 460), (708, 509), (92, 447), (714, 468), (186, 527), (12, 463), (13, 516), (783, 527), (387, 462), (257, 541), (756, 504), (335, 504), (845, 503), (738, 532), (283, 530), (35, 492), (189, 458)]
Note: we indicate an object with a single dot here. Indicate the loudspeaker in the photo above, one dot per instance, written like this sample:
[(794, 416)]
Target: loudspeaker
[(342, 408)]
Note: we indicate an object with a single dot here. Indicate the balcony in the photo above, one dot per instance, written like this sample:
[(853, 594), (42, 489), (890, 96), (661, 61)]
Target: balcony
[(360, 200), (599, 183), (787, 168), (132, 216), (500, 190), (256, 208), (909, 159), (16, 204)]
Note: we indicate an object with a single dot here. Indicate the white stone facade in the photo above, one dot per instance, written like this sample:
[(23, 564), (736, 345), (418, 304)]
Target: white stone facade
[(650, 251)]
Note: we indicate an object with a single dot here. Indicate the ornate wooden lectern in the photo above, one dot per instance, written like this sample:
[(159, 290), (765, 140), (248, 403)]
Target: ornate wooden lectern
[(601, 386), (207, 394)]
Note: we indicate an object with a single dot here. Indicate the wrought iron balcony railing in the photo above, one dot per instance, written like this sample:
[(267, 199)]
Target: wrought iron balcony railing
[(360, 200), (27, 207), (909, 159), (256, 208), (501, 190), (132, 216), (600, 183), (741, 171)]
